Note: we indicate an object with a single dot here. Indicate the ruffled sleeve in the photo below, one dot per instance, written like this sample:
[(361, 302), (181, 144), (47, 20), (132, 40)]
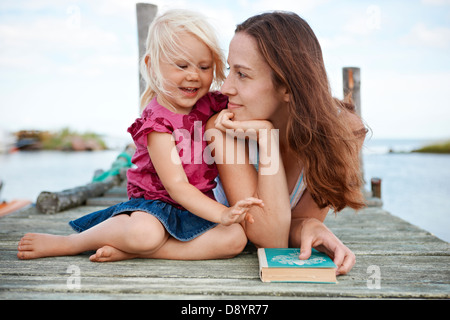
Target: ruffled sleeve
[(147, 124), (219, 101)]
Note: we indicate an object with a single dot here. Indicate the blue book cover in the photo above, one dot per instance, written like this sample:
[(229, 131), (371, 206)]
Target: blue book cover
[(284, 265)]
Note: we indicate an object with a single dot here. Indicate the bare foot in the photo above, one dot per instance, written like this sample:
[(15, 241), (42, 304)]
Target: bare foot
[(39, 245), (109, 254)]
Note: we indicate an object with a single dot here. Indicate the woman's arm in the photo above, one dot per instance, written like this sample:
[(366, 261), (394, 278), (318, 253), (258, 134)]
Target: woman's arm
[(175, 181), (308, 231), (307, 228), (271, 222)]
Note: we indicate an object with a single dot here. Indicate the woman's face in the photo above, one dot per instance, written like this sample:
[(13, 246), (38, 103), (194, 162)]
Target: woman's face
[(249, 85)]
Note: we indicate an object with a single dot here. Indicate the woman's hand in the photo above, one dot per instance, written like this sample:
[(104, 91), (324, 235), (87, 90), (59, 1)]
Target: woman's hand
[(314, 234), (224, 122), (239, 211)]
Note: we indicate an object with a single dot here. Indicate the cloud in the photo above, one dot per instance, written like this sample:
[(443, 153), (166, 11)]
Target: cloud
[(422, 35), (436, 2), (406, 105), (365, 22), (300, 6), (54, 44)]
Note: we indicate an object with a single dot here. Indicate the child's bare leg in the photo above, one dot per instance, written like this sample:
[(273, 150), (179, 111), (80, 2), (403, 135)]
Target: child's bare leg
[(109, 254), (131, 233), (38, 245), (218, 243)]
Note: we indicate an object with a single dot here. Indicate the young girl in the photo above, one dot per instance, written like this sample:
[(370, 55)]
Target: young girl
[(172, 213)]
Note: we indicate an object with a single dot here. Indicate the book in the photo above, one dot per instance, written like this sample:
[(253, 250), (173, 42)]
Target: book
[(283, 265)]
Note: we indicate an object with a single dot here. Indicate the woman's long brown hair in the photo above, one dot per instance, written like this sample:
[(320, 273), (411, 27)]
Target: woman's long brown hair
[(316, 132)]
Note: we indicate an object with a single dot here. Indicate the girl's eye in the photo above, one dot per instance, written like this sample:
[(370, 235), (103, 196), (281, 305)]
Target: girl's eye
[(205, 67), (182, 66)]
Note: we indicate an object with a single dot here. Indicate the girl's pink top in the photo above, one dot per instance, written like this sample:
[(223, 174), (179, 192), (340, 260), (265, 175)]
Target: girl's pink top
[(188, 132)]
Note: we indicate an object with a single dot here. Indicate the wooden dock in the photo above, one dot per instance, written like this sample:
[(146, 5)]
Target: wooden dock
[(394, 260)]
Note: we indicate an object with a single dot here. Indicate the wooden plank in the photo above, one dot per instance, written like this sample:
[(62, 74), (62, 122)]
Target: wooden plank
[(151, 280), (412, 264), (105, 201)]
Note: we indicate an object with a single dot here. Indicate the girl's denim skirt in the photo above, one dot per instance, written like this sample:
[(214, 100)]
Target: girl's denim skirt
[(181, 224)]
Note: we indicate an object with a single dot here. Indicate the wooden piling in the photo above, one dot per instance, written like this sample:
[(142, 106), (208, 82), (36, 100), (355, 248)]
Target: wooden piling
[(376, 187), (352, 86), (351, 77), (145, 13)]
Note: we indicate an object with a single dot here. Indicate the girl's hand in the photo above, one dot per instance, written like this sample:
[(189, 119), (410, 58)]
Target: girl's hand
[(239, 211), (225, 121), (316, 235)]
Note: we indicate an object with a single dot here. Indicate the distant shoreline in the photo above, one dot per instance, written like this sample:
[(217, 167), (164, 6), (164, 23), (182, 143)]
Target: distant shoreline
[(406, 146), (63, 140), (439, 148)]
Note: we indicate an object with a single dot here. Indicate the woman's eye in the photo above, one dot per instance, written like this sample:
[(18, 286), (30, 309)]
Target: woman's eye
[(241, 75)]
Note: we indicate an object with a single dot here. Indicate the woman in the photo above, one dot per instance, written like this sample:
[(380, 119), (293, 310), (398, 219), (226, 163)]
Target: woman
[(277, 80)]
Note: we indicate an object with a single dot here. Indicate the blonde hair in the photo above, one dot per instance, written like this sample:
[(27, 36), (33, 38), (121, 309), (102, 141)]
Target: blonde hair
[(163, 42)]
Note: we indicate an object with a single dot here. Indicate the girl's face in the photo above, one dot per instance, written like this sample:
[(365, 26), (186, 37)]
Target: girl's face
[(187, 78), (249, 85)]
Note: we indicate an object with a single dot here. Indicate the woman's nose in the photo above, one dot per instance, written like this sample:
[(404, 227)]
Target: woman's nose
[(227, 87)]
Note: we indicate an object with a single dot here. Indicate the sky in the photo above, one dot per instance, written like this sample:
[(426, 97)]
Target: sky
[(75, 63)]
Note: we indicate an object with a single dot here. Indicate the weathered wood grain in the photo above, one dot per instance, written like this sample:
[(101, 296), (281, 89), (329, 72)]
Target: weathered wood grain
[(412, 263)]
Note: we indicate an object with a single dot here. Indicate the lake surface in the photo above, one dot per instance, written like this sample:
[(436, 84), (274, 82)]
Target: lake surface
[(415, 187), (25, 174)]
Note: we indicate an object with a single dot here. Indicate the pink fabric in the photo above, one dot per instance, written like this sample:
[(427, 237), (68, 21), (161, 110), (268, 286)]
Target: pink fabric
[(143, 181)]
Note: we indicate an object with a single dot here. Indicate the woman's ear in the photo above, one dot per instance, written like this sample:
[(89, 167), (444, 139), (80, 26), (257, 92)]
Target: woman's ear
[(147, 61), (285, 95)]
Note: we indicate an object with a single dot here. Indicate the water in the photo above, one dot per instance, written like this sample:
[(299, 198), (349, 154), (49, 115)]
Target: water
[(25, 174), (415, 187)]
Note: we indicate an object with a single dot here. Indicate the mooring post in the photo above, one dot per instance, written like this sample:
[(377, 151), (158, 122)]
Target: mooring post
[(352, 93), (145, 13), (376, 187), (352, 86)]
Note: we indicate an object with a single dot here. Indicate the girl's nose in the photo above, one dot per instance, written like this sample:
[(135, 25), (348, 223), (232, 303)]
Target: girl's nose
[(192, 75)]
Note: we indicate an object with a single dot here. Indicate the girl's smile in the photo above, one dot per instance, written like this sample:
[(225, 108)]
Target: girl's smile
[(187, 78), (189, 92)]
